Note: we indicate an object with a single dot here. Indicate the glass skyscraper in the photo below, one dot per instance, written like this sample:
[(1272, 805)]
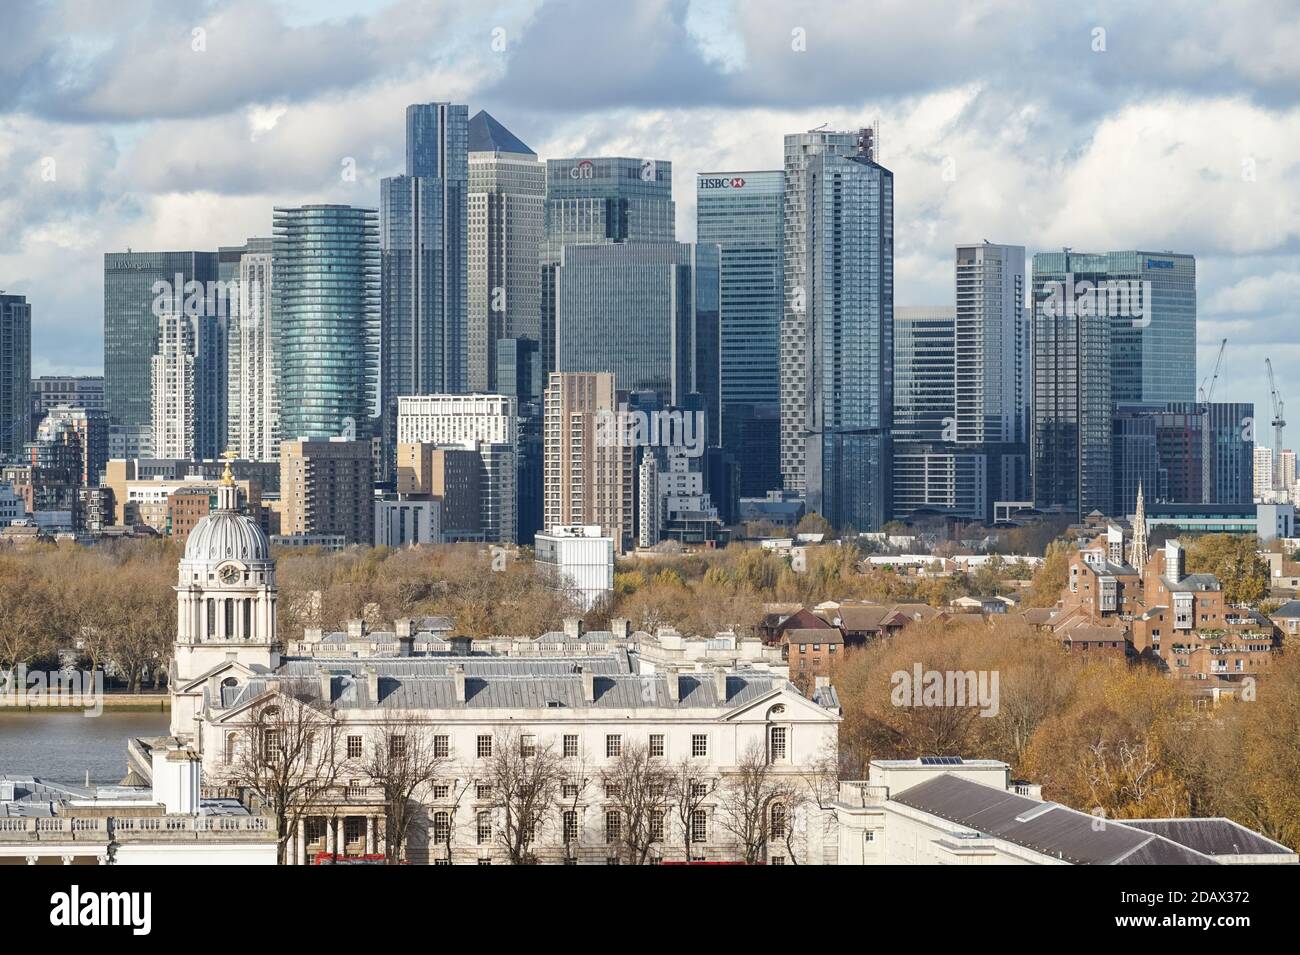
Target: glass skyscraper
[(600, 201), (507, 195), (646, 311), (1110, 329), (837, 374), (326, 283), (743, 214), (131, 324), (423, 228), (15, 374), (1072, 405)]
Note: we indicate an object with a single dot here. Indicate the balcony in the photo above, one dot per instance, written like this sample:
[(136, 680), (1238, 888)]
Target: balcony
[(862, 795)]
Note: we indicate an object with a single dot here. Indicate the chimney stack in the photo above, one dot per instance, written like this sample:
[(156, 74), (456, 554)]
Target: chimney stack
[(458, 677), (588, 683), (326, 685), (356, 629), (572, 628), (404, 628), (720, 684), (621, 627), (372, 683), (674, 684)]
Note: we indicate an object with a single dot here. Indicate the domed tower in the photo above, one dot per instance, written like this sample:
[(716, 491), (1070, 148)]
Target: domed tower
[(225, 592)]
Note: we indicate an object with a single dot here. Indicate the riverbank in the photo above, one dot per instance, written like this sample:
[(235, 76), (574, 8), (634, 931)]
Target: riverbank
[(117, 702)]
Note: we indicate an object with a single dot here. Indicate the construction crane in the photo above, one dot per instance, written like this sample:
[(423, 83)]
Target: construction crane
[(1279, 421), (1213, 379)]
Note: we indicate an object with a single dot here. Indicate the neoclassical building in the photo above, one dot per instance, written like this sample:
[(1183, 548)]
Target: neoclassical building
[(587, 705)]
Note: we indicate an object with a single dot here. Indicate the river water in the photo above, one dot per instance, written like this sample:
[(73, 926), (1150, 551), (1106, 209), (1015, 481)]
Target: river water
[(60, 747)]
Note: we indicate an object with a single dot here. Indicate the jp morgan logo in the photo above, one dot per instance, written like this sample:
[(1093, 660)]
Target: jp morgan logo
[(74, 908), (722, 183), (1116, 298), (581, 171)]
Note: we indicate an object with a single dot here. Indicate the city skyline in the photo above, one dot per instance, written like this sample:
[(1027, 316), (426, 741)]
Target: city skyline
[(715, 89)]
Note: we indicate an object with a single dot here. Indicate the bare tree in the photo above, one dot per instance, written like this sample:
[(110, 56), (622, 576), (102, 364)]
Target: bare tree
[(285, 755), (747, 799), (456, 790), (637, 784), (525, 776), (404, 756), (688, 791), (572, 792)]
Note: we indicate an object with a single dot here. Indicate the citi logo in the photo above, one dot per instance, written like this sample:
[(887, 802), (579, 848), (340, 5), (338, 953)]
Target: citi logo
[(722, 183), (74, 908), (581, 171)]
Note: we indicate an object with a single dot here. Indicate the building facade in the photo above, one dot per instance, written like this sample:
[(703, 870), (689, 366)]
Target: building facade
[(325, 488), (507, 199), (325, 284), (424, 230), (485, 424), (253, 377), (589, 473), (15, 374), (600, 201), (743, 214), (837, 330)]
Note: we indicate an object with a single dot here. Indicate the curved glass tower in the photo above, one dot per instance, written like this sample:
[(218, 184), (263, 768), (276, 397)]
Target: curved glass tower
[(327, 278)]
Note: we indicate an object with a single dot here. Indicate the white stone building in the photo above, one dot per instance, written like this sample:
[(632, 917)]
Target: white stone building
[(584, 708), (578, 559)]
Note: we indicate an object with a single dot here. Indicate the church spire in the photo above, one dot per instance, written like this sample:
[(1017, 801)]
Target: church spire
[(1139, 555)]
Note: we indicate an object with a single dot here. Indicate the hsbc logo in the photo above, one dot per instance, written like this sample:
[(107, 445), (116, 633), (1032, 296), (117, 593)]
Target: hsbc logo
[(722, 183)]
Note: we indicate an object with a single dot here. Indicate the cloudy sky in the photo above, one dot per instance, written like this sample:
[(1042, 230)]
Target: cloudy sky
[(158, 124)]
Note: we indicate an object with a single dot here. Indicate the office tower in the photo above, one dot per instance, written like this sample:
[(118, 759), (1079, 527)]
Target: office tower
[(646, 311), (930, 471), (600, 201), (1262, 483), (991, 356), (507, 196), (325, 488), (90, 426), (253, 407), (326, 279), (1072, 402), (484, 424), (837, 327), (406, 522), (423, 225), (925, 373), (139, 287), (519, 374), (589, 471), (1153, 334), (15, 374), (743, 214), (172, 388)]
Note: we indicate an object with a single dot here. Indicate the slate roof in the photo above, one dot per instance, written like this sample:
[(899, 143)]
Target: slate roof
[(1214, 837), (486, 135), (531, 691), (1288, 610), (1044, 827), (814, 636)]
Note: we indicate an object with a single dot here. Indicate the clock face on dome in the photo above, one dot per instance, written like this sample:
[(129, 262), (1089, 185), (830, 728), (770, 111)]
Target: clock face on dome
[(228, 574)]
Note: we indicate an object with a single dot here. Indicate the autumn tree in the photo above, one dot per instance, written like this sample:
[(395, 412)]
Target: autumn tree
[(1234, 559)]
